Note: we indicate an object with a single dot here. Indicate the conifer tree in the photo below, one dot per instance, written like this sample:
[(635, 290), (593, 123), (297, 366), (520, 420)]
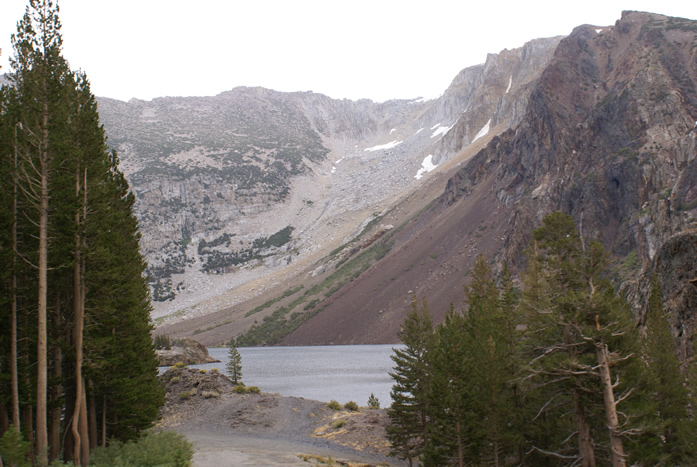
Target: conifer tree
[(670, 430), (582, 343), (234, 363), (408, 430), (75, 309)]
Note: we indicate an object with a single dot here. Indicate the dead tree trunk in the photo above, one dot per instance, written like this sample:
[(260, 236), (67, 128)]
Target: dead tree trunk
[(618, 456)]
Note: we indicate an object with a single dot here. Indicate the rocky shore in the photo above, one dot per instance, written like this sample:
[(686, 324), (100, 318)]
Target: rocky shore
[(229, 427)]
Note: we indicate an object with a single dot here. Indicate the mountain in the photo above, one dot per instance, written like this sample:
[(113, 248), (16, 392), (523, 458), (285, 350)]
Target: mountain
[(238, 187), (601, 124)]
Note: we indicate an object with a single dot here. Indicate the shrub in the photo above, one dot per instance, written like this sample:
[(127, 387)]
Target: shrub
[(180, 365), (352, 406), (334, 405), (373, 402), (340, 423), (254, 390), (202, 371), (13, 449), (162, 342), (214, 371), (209, 394), (163, 448), (175, 379), (240, 389), (184, 395)]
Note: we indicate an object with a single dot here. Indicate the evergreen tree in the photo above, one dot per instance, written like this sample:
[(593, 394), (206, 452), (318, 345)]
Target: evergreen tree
[(408, 430), (669, 430), (474, 366), (234, 363), (582, 344), (74, 320)]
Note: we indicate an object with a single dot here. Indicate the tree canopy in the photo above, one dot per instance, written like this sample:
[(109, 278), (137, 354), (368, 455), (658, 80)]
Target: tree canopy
[(77, 364)]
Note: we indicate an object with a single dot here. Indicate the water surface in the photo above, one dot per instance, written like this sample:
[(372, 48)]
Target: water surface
[(338, 372)]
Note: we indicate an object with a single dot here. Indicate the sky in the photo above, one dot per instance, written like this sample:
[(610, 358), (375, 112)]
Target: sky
[(374, 49)]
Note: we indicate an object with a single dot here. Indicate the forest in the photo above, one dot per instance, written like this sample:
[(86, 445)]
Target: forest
[(554, 372), (77, 363)]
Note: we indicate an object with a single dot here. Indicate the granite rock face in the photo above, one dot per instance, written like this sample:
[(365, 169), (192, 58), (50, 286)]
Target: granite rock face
[(216, 177), (187, 351)]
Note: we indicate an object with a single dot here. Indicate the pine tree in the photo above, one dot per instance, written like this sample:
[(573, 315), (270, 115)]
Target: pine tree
[(669, 431), (582, 343), (78, 305), (408, 430), (474, 368), (234, 363)]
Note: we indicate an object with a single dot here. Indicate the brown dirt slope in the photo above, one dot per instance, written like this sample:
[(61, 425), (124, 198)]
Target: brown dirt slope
[(430, 259)]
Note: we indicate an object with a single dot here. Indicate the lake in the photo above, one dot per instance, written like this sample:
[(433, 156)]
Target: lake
[(337, 372)]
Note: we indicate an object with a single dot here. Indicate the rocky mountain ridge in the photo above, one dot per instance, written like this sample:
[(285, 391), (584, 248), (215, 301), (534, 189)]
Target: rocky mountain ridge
[(234, 187), (601, 124)]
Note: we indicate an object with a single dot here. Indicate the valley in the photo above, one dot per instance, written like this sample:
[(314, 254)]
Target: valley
[(298, 219)]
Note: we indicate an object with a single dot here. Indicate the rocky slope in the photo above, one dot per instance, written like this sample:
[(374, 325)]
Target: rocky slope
[(252, 182), (601, 124), (609, 135)]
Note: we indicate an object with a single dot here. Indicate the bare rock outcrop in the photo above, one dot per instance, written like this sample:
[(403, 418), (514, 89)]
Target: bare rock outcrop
[(185, 350)]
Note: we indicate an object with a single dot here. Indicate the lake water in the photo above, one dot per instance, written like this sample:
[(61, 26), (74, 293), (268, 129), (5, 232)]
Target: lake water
[(338, 372)]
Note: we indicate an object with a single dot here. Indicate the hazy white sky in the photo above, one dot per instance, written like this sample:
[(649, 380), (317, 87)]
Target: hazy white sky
[(376, 49)]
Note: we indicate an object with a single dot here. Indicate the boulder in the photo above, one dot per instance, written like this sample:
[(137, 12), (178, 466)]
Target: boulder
[(185, 350)]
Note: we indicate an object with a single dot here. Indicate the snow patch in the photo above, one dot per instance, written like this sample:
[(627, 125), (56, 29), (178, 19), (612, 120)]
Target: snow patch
[(333, 169), (380, 147), (441, 130), (510, 82), (420, 130), (393, 130), (598, 31), (426, 166), (417, 101), (435, 126), (483, 132)]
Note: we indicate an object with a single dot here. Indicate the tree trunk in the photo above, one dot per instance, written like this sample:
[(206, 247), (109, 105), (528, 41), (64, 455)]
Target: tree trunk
[(104, 422), (92, 417), (78, 322), (618, 457), (56, 392), (42, 338), (84, 430), (585, 442), (14, 378)]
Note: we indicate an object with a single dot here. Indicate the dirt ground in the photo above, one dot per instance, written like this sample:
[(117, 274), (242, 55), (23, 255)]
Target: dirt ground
[(229, 429)]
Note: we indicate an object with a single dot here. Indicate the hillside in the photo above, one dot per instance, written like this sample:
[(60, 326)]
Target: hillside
[(600, 124), (239, 190)]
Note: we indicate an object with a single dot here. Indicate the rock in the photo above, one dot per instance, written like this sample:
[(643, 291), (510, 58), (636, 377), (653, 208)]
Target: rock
[(185, 350)]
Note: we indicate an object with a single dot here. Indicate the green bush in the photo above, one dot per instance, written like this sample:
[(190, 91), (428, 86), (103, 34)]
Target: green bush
[(240, 389), (162, 342), (13, 449), (153, 449), (184, 395), (352, 406), (373, 402), (253, 390), (175, 379), (334, 405), (180, 365), (340, 423)]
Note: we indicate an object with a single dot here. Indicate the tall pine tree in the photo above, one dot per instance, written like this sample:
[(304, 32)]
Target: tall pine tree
[(408, 430), (75, 302)]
